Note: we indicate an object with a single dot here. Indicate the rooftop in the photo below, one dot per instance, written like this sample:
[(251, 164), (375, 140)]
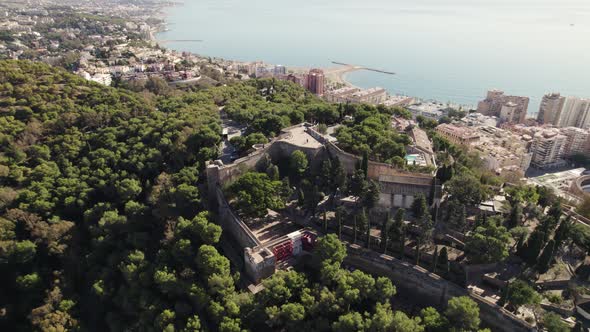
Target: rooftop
[(299, 136), (560, 182), (457, 131)]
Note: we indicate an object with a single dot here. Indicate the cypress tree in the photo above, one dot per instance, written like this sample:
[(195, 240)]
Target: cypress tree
[(385, 231), (533, 247), (419, 207), (361, 222), (418, 243), (425, 233), (402, 243), (339, 221), (444, 259), (434, 259), (546, 257), (515, 216), (562, 232), (555, 210), (369, 233), (300, 198), (398, 230), (520, 245), (354, 229), (548, 224), (365, 164)]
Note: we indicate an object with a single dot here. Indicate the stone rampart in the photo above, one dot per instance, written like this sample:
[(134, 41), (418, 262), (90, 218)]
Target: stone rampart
[(283, 150), (430, 289), (232, 224)]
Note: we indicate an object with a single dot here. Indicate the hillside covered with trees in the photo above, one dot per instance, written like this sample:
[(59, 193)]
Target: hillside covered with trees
[(99, 201), (103, 226)]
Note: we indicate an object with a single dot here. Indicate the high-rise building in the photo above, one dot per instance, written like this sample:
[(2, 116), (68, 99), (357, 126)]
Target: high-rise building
[(496, 100), (297, 79), (316, 81), (574, 113), (508, 112), (280, 70), (547, 148), (550, 108), (576, 142)]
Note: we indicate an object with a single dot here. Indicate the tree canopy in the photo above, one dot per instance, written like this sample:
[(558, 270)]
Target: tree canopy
[(255, 193), (489, 242), (371, 132), (102, 226)]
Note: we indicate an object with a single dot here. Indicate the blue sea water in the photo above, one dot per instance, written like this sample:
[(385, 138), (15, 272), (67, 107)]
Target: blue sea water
[(447, 50)]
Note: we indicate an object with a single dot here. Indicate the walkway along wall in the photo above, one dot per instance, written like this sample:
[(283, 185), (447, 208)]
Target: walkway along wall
[(430, 289)]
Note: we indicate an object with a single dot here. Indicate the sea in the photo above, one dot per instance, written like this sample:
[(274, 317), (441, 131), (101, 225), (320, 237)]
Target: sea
[(443, 50)]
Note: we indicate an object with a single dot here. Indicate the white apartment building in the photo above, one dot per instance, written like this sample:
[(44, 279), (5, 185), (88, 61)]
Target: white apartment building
[(501, 149), (508, 112), (574, 112), (578, 141), (547, 148), (550, 109)]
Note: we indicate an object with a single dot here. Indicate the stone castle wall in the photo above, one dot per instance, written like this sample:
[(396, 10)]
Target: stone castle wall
[(232, 224), (430, 289), (413, 281), (283, 150), (398, 187)]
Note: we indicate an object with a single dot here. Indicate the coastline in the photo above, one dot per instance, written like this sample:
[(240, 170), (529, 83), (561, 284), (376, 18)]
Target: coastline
[(336, 75)]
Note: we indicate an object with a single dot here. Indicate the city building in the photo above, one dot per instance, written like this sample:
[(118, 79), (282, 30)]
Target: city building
[(297, 79), (430, 110), (401, 124), (574, 113), (374, 96), (502, 150), (478, 119), (550, 109), (369, 96), (340, 95), (548, 148), (577, 141), (509, 112), (280, 70), (316, 81), (551, 145), (458, 135), (496, 101), (561, 183), (398, 100), (562, 111), (499, 149)]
